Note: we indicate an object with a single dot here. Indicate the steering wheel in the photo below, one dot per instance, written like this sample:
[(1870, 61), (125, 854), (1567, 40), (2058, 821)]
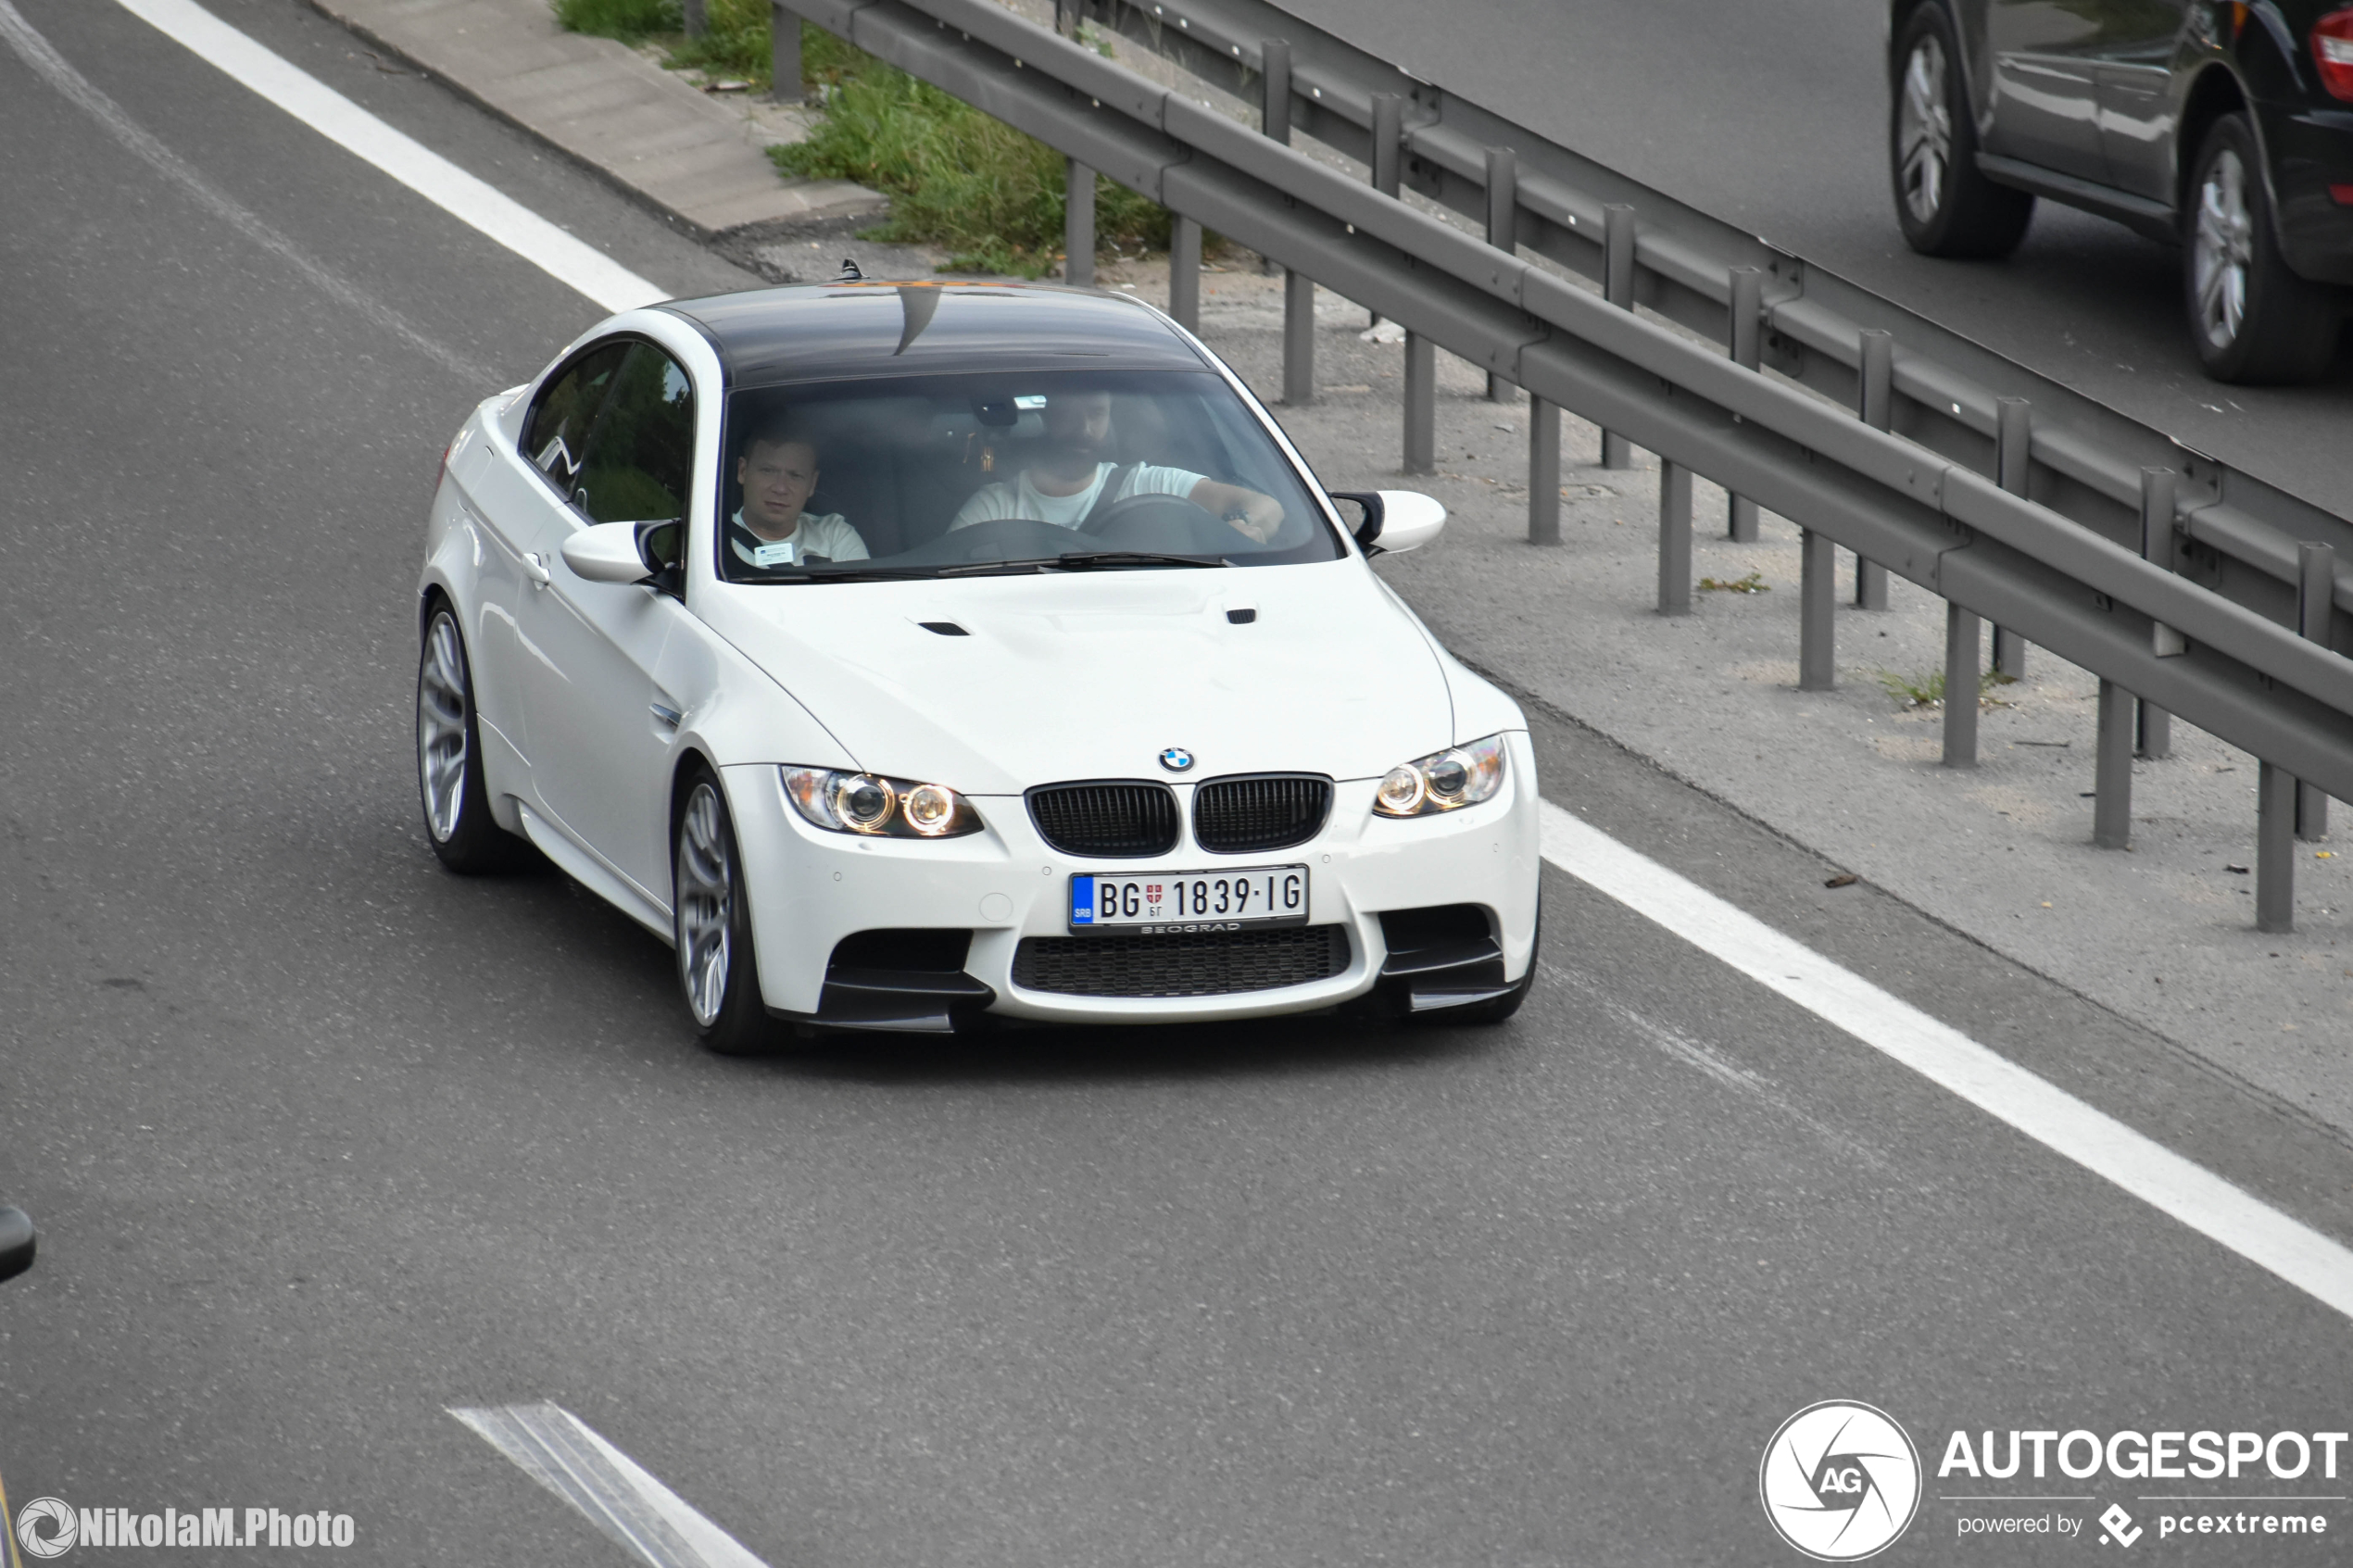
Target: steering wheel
[(1150, 520)]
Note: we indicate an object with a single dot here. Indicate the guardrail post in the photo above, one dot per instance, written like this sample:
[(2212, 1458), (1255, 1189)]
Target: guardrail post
[(1079, 227), (2013, 437), (1274, 69), (1299, 294), (2112, 771), (1875, 402), (1389, 139), (696, 21), (2156, 548), (1299, 339), (1274, 104), (1421, 404), (1673, 538), (1184, 272), (1544, 471), (2275, 848), (1066, 18), (1617, 287), (1961, 644), (1503, 232), (1746, 310), (784, 54), (2315, 594), (1817, 603)]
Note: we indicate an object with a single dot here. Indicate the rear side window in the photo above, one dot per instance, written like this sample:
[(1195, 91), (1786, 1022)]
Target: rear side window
[(640, 459), (556, 436)]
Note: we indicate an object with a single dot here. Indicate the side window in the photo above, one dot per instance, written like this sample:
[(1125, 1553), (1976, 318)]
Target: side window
[(641, 455), (556, 436)]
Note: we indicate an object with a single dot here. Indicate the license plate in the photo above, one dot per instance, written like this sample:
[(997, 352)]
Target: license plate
[(1182, 901)]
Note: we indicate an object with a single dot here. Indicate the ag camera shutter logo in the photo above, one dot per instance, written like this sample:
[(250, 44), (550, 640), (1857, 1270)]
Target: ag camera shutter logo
[(1840, 1481)]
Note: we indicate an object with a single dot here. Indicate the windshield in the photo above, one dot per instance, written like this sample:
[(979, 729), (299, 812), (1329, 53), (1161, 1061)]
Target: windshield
[(974, 474)]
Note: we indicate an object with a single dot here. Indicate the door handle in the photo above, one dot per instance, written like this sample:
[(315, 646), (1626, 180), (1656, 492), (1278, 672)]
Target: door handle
[(535, 568)]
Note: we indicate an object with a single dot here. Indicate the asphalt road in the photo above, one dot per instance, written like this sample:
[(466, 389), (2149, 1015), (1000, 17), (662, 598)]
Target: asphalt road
[(324, 1141), (1772, 114)]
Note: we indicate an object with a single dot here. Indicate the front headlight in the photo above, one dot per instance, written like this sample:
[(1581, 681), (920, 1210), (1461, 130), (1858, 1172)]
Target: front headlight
[(874, 807), (1460, 775)]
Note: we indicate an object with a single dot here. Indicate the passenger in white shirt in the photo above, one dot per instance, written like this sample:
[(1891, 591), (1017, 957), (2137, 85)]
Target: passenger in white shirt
[(778, 472), (1070, 479)]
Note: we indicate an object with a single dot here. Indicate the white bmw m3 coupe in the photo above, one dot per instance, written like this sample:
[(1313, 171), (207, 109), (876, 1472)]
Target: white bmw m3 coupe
[(913, 656)]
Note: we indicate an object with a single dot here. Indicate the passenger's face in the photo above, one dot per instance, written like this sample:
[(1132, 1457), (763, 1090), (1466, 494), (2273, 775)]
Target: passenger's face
[(777, 478), (1079, 422)]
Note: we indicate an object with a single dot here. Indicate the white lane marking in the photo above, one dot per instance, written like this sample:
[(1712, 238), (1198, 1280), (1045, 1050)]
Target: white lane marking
[(562, 1453), (2146, 1168), (311, 100), (37, 53)]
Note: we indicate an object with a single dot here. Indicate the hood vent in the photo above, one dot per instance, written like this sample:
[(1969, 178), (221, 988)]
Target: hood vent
[(945, 627), (1112, 817)]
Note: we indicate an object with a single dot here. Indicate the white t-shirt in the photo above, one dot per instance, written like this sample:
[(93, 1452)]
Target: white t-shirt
[(1022, 499), (830, 536)]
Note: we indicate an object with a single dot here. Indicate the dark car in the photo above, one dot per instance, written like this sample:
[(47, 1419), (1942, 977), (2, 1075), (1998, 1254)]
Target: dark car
[(2227, 126)]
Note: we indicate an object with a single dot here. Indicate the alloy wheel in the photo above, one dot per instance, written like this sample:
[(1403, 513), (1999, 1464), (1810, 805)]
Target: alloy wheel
[(441, 726), (1924, 131), (2221, 246), (706, 899)]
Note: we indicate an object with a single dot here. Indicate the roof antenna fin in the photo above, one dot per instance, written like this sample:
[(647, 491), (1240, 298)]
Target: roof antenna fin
[(849, 273)]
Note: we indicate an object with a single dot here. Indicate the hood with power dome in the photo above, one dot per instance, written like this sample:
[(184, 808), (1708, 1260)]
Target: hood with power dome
[(994, 684)]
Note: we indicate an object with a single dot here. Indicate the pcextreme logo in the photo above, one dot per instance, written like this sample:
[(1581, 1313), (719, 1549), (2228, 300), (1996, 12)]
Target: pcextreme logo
[(1840, 1481)]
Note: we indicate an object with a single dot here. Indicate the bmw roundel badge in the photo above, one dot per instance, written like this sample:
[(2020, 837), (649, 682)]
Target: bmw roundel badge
[(1177, 759)]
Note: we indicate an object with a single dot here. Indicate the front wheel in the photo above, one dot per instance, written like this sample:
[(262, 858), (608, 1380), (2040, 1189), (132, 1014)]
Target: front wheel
[(449, 780), (711, 916), (2253, 320), (1945, 205)]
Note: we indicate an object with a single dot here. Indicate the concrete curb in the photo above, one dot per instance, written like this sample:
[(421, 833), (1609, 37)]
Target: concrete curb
[(647, 133)]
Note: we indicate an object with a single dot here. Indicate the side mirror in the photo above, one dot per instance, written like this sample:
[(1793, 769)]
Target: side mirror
[(624, 552), (1396, 520), (16, 1242)]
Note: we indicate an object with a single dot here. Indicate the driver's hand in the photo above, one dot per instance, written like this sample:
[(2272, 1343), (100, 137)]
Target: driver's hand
[(1261, 519)]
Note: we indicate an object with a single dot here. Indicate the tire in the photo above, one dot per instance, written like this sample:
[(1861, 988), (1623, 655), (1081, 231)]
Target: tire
[(1945, 205), (454, 801), (2253, 320), (718, 970)]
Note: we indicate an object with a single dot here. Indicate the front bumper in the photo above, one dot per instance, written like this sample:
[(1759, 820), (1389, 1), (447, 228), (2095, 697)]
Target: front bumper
[(809, 889)]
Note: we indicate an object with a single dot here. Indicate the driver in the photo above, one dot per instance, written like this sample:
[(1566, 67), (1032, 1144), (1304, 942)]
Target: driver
[(777, 471), (1071, 477)]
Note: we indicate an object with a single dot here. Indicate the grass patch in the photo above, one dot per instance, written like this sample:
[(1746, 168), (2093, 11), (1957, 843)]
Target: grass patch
[(1752, 583), (957, 178), (1928, 691), (734, 39)]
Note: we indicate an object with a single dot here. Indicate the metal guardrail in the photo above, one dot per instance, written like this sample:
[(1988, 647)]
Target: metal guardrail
[(2174, 577)]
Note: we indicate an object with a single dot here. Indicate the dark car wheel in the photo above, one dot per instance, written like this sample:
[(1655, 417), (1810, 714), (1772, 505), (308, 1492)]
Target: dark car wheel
[(2252, 318), (1945, 205), (717, 969), (450, 784)]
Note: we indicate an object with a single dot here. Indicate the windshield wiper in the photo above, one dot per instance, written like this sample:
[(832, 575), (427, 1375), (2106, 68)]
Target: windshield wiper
[(1082, 560)]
